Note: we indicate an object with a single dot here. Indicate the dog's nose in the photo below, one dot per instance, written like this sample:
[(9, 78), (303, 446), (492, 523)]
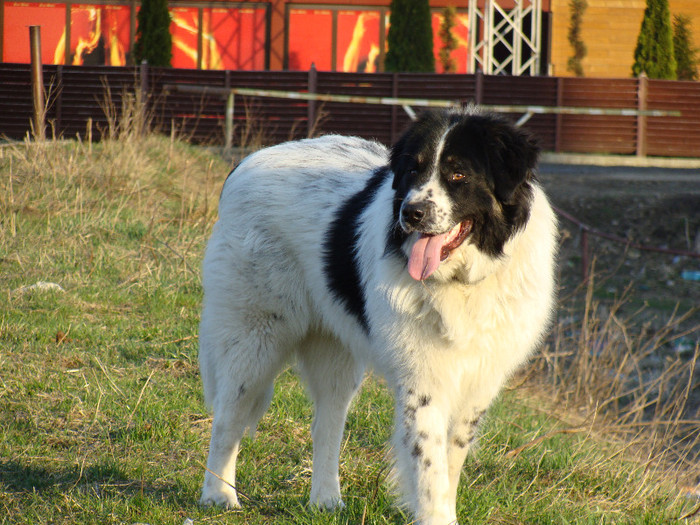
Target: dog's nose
[(414, 214)]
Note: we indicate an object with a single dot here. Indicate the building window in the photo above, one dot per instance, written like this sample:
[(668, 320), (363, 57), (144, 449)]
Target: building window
[(358, 41), (229, 38), (236, 37), (99, 34), (351, 39), (310, 33)]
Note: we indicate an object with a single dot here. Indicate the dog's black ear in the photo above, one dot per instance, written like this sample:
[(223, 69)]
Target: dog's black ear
[(513, 155), (413, 140)]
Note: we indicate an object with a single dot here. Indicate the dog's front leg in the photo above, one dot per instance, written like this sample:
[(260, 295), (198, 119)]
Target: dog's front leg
[(420, 442)]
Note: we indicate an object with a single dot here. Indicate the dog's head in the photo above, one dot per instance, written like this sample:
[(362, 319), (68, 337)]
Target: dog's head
[(461, 176)]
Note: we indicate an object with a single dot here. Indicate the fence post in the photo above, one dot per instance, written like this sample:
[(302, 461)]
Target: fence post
[(479, 87), (37, 82), (145, 89), (395, 94), (230, 101), (584, 254), (143, 74), (559, 120), (311, 105), (228, 116), (642, 91)]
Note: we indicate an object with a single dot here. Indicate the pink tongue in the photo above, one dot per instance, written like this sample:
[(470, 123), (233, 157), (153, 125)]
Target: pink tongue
[(425, 256)]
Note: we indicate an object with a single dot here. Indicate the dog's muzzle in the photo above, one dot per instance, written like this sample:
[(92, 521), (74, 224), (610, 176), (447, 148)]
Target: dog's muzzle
[(417, 216)]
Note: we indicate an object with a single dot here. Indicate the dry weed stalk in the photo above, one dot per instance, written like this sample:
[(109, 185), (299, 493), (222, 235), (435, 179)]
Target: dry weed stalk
[(124, 183), (618, 371), (131, 120), (39, 135), (253, 136), (313, 128)]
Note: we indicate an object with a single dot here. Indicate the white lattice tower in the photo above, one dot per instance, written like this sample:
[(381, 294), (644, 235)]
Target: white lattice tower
[(517, 29)]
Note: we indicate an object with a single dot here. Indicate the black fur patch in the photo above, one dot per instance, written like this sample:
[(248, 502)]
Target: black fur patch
[(342, 270)]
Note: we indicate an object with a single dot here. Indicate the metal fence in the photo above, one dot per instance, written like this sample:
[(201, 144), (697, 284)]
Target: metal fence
[(77, 98)]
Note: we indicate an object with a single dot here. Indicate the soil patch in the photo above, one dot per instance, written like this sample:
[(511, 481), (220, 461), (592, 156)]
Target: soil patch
[(648, 206)]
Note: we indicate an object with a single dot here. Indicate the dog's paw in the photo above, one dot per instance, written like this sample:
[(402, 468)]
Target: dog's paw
[(328, 503), (221, 498)]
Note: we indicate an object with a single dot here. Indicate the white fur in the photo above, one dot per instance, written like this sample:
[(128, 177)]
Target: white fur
[(445, 345)]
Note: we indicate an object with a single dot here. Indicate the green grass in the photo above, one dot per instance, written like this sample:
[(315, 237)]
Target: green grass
[(101, 405)]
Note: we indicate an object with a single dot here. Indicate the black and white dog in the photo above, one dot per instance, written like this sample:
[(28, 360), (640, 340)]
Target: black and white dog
[(432, 262)]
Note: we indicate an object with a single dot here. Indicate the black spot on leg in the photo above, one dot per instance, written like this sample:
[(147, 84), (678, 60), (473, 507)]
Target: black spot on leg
[(422, 435), (475, 420), (417, 451), (410, 412), (427, 463), (461, 443), (424, 401), (468, 437)]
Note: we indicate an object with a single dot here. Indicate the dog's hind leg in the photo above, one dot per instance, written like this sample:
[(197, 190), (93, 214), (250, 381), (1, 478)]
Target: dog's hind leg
[(228, 429), (332, 376), (241, 386)]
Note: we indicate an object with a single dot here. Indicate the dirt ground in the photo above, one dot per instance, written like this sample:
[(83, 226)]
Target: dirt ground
[(649, 206)]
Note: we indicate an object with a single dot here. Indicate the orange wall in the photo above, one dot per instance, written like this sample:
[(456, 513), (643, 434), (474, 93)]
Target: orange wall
[(610, 29)]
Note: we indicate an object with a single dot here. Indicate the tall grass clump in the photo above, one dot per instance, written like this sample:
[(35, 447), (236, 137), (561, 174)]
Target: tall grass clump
[(625, 380), (105, 220)]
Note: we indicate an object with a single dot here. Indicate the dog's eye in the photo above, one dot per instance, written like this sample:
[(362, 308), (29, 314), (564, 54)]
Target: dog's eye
[(456, 177)]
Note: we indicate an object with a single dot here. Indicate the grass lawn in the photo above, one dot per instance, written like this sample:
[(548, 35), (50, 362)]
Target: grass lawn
[(101, 407)]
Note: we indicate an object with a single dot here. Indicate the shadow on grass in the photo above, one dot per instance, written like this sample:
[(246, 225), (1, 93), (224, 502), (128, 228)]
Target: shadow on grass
[(104, 481), (100, 479)]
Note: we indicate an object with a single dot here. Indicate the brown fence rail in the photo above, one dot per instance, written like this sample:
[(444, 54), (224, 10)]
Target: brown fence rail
[(77, 97)]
